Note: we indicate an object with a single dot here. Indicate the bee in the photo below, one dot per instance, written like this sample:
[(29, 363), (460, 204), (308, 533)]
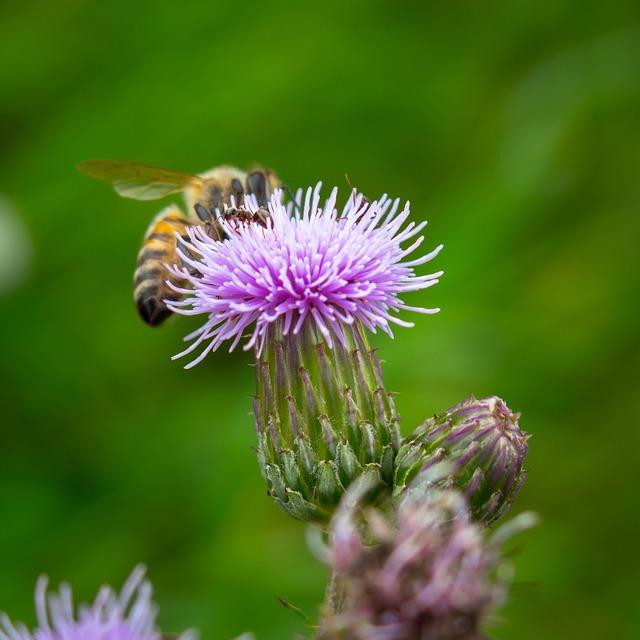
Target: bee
[(206, 196)]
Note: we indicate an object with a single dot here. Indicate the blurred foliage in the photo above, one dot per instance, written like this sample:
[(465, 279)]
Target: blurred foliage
[(513, 127)]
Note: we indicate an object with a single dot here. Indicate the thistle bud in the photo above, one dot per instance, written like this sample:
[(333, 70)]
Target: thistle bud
[(323, 418), (483, 449)]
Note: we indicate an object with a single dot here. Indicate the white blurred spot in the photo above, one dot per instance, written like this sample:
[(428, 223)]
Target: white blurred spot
[(16, 250)]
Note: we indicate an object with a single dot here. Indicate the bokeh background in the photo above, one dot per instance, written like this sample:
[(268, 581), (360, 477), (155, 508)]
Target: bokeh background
[(513, 127)]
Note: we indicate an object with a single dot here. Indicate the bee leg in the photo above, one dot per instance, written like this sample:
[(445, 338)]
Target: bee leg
[(203, 213), (237, 191), (215, 198), (213, 231), (208, 219), (257, 185), (185, 265)]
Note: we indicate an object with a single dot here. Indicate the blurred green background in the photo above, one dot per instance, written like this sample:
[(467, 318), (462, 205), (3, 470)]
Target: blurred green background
[(513, 127)]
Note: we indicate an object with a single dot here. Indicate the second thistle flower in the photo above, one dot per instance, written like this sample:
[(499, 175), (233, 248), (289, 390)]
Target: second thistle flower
[(424, 571), (306, 286)]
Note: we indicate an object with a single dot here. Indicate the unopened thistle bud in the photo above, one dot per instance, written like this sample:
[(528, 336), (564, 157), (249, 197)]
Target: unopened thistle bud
[(307, 284), (482, 448), (427, 571)]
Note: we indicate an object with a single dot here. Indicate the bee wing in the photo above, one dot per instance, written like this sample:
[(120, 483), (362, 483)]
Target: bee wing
[(136, 180)]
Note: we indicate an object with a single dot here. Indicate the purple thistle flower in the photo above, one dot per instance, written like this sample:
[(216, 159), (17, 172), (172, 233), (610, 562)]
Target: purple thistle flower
[(306, 282), (130, 615), (426, 571), (311, 264)]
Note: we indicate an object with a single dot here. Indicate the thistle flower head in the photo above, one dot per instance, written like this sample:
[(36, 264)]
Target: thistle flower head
[(130, 615), (428, 572), (308, 263)]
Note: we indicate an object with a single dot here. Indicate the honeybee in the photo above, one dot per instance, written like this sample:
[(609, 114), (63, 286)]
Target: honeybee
[(205, 195)]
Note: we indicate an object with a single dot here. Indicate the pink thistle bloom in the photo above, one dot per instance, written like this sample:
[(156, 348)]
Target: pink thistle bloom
[(130, 615), (428, 571), (308, 264)]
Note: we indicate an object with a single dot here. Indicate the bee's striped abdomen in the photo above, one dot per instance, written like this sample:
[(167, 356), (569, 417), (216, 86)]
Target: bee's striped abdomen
[(158, 250)]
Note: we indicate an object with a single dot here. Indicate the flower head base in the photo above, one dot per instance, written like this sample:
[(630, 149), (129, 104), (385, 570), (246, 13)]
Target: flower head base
[(130, 615), (428, 572), (484, 448), (323, 418), (304, 264)]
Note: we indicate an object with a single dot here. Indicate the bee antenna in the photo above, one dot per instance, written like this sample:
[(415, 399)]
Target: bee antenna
[(287, 188), (354, 191)]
